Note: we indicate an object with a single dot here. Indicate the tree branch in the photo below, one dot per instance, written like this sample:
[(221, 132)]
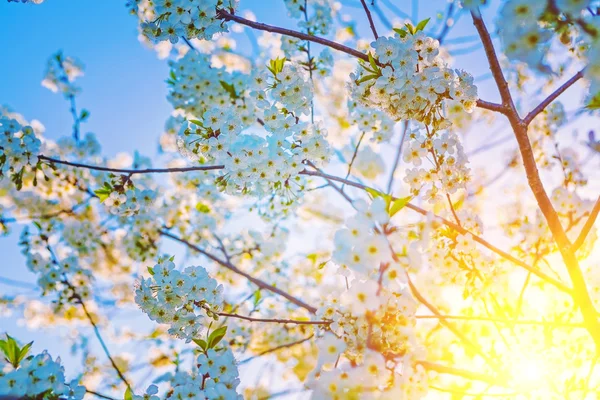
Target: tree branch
[(580, 292), (533, 113), (491, 106), (587, 227), (503, 320), (370, 18), (129, 171), (222, 14), (274, 349), (457, 228), (233, 268), (442, 369), (273, 320)]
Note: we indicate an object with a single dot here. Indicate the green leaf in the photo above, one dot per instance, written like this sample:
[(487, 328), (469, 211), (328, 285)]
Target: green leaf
[(84, 114), (215, 337), (276, 66), (366, 78), (203, 208), (421, 25), (257, 297), (11, 350), (410, 28), (172, 75), (201, 343), (230, 88), (373, 62), (195, 121), (128, 394), (151, 270), (401, 31), (23, 352), (104, 192), (398, 205), (374, 193)]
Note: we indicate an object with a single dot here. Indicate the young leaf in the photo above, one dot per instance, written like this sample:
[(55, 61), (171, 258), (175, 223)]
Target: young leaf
[(128, 394), (230, 88), (23, 352), (421, 25), (151, 270), (398, 205), (104, 192), (257, 297), (203, 208), (201, 343), (402, 32), (215, 337), (373, 62)]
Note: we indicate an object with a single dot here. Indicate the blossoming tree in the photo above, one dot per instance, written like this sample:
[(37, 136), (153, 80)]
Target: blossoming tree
[(376, 281)]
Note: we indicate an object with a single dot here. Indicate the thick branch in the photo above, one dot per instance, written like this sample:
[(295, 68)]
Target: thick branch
[(491, 106), (580, 292), (233, 268), (552, 97), (507, 102), (288, 32)]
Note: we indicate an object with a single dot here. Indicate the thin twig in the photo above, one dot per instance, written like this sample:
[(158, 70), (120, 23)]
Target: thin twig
[(552, 97), (354, 156), (457, 228), (222, 14), (370, 18), (397, 158), (102, 396), (274, 349), (274, 320), (442, 369), (502, 320), (261, 284), (130, 171), (587, 227)]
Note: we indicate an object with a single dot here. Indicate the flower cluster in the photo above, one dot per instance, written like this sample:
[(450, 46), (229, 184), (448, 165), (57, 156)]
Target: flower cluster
[(319, 21), (171, 19), (39, 377), (222, 109), (182, 300), (439, 163), (123, 198), (215, 377), (408, 79), (527, 28), (377, 122), (65, 275), (19, 148), (592, 73), (61, 73)]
